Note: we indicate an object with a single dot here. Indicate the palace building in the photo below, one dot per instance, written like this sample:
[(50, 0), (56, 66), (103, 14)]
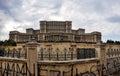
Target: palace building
[(55, 31), (57, 50)]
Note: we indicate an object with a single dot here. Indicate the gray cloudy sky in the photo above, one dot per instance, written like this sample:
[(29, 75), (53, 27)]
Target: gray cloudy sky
[(93, 15)]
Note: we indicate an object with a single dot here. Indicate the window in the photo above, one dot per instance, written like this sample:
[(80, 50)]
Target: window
[(83, 53)]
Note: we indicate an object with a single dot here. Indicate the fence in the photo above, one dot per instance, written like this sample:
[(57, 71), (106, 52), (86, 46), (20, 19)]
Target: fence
[(21, 67), (49, 54), (14, 53), (57, 56), (13, 62)]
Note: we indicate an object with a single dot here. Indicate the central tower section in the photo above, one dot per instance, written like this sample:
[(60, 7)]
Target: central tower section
[(55, 26)]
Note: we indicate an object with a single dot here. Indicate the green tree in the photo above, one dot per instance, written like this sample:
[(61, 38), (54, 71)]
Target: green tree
[(7, 43)]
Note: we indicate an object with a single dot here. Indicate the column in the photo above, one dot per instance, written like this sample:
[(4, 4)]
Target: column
[(100, 49), (32, 57)]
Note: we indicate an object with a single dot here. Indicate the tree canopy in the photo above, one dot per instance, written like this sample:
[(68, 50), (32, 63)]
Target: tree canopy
[(113, 42), (7, 43)]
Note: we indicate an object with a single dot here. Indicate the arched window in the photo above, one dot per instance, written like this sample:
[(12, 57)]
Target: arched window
[(108, 52), (112, 52), (115, 52)]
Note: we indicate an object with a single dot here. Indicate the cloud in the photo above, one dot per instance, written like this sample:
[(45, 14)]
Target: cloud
[(114, 19), (93, 15)]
